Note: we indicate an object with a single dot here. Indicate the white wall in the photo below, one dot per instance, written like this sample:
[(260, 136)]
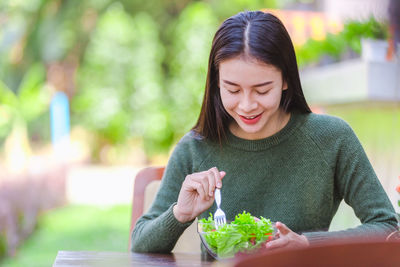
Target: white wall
[(356, 9)]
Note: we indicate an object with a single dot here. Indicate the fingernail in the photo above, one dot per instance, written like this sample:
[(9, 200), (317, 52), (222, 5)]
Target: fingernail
[(219, 184)]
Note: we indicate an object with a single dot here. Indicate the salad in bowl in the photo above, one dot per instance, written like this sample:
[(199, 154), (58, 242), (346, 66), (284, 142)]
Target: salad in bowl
[(245, 234)]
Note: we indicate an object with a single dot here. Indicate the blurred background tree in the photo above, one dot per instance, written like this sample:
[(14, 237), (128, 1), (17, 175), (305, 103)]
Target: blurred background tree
[(134, 71)]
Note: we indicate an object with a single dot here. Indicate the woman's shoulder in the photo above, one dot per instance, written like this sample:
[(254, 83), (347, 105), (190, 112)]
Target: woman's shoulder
[(323, 123), (193, 148), (327, 130), (194, 142), (329, 133), (191, 138)]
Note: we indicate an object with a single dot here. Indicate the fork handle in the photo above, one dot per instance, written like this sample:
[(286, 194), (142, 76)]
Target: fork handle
[(218, 197)]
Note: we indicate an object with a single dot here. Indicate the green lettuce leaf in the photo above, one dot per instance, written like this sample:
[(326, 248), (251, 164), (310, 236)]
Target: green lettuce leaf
[(244, 234)]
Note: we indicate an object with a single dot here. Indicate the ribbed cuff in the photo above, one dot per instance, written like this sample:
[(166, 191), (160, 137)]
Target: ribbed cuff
[(171, 223), (350, 235), (316, 238)]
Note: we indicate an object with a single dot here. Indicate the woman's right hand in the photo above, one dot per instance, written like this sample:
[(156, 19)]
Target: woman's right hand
[(197, 194)]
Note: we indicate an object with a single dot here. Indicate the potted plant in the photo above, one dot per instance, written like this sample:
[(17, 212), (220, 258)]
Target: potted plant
[(374, 44)]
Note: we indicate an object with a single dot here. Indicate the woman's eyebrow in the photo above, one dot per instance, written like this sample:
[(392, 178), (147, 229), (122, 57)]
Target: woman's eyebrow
[(256, 85)]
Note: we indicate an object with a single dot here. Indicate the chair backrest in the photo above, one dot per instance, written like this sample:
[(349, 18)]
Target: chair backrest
[(189, 242), (143, 178), (373, 253)]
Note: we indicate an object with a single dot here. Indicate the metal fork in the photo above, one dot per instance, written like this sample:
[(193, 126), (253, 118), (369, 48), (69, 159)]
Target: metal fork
[(219, 215)]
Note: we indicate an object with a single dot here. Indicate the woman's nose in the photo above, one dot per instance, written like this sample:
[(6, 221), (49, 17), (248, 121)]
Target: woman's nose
[(247, 104)]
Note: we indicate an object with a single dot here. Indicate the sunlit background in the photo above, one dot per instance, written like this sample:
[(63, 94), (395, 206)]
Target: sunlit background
[(92, 91)]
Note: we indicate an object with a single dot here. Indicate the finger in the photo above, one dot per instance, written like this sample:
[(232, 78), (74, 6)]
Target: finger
[(203, 178), (206, 185), (220, 176), (201, 191), (283, 229), (217, 178), (198, 187), (278, 243), (211, 182), (211, 185)]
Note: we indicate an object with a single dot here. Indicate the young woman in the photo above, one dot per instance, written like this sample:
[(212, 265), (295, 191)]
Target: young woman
[(258, 141)]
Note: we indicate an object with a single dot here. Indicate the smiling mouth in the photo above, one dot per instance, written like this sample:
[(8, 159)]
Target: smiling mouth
[(250, 119)]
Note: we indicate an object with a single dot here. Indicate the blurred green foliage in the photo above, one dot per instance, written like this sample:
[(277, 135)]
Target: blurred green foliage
[(347, 43), (73, 228), (3, 245), (132, 69), (25, 104)]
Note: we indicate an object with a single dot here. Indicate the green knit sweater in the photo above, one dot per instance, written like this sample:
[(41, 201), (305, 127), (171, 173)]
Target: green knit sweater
[(298, 176)]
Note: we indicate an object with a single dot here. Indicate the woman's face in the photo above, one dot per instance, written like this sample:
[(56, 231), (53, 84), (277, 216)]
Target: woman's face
[(251, 92)]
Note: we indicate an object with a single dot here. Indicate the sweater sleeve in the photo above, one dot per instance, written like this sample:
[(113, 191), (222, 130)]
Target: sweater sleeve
[(158, 230), (358, 185)]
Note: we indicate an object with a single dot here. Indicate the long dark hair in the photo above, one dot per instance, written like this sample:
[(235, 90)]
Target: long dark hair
[(258, 35)]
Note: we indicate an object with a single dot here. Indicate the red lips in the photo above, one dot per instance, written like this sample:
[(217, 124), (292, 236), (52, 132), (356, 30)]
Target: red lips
[(247, 120)]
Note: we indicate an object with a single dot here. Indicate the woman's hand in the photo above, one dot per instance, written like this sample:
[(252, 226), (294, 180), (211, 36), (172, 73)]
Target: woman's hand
[(197, 194), (287, 239)]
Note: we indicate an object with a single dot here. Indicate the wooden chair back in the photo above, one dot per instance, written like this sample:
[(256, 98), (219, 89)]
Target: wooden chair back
[(366, 254), (143, 178)]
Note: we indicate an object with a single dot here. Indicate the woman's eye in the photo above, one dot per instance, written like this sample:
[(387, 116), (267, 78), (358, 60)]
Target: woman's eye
[(233, 91), (263, 92)]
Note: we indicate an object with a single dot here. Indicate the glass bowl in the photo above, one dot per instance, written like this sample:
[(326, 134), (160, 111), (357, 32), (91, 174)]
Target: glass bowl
[(232, 239)]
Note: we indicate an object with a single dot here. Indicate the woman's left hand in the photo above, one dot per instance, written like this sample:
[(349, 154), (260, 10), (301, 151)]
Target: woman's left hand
[(287, 239)]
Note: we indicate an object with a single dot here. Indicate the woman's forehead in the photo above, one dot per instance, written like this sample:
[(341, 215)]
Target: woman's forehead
[(240, 68)]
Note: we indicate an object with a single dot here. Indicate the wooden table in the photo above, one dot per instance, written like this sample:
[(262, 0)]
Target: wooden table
[(116, 259)]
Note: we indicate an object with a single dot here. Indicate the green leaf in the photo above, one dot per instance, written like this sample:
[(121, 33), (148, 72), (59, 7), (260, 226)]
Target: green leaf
[(7, 97), (8, 109), (226, 243), (244, 234), (33, 97)]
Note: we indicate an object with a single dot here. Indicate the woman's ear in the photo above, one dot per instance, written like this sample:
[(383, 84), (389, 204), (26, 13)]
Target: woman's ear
[(284, 86)]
